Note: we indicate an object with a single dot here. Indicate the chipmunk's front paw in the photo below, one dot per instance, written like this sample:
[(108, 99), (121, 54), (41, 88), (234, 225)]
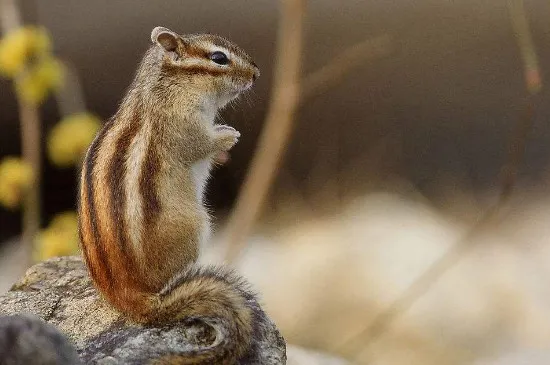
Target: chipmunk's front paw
[(226, 137), (223, 128)]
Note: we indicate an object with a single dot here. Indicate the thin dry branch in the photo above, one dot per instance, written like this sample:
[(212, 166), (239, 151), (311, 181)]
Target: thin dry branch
[(70, 97), (337, 68), (287, 97), (10, 17), (361, 342), (30, 147), (508, 179), (30, 142)]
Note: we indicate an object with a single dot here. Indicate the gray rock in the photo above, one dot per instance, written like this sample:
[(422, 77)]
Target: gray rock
[(60, 292), (29, 340)]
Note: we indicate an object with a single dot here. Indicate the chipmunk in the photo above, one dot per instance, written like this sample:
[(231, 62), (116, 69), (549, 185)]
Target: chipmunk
[(141, 213)]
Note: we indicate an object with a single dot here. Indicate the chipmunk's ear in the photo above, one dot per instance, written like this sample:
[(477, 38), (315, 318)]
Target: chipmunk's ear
[(165, 38)]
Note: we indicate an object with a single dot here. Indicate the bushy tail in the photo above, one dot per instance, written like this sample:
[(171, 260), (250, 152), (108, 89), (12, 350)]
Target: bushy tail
[(216, 297)]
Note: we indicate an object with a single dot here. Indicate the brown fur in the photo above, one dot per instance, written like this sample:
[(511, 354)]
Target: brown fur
[(141, 215)]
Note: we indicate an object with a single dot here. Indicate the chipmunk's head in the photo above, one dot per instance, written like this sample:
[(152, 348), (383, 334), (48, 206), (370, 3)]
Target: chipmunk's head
[(209, 64)]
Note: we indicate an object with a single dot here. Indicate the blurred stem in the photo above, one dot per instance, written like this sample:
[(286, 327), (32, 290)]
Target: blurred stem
[(333, 71), (289, 93), (508, 181), (361, 342), (10, 17), (533, 84), (30, 143), (278, 125), (522, 32), (70, 97)]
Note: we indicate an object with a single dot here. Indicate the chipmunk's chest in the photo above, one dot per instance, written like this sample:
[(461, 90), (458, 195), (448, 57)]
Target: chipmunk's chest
[(200, 172)]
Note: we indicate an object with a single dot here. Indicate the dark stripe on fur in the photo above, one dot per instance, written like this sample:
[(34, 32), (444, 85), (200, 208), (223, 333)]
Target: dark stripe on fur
[(89, 165), (203, 70), (190, 51), (79, 208), (148, 188)]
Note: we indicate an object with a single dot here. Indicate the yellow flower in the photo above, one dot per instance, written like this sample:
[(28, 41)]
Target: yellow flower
[(21, 44), (60, 238), (70, 138), (16, 176), (34, 84)]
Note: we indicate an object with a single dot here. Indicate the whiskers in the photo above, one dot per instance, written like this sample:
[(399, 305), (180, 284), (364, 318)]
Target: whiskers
[(248, 96)]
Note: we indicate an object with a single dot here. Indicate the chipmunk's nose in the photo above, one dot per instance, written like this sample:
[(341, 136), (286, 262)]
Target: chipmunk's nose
[(256, 73)]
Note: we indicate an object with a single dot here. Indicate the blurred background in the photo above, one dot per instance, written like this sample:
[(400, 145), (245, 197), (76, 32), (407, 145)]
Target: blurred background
[(432, 136)]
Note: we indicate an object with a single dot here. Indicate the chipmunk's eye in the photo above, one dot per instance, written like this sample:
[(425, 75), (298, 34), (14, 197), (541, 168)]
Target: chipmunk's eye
[(220, 58)]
